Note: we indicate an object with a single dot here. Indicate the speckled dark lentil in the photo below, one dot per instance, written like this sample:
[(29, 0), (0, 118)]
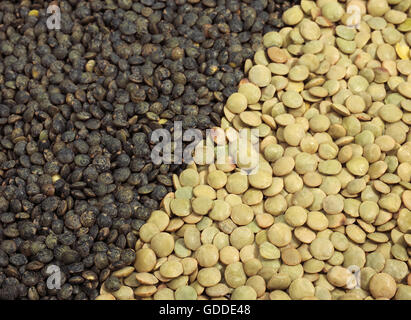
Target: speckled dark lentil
[(77, 108)]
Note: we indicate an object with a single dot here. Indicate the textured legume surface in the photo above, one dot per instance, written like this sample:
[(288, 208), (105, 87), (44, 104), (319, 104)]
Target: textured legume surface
[(77, 108), (331, 193)]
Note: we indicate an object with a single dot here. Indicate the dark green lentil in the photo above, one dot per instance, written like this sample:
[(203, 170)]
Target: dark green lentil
[(76, 179)]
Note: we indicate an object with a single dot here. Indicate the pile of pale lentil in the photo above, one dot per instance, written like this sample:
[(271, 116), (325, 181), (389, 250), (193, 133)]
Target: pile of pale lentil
[(331, 193)]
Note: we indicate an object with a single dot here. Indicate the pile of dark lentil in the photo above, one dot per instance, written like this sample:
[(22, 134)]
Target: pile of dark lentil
[(77, 107)]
